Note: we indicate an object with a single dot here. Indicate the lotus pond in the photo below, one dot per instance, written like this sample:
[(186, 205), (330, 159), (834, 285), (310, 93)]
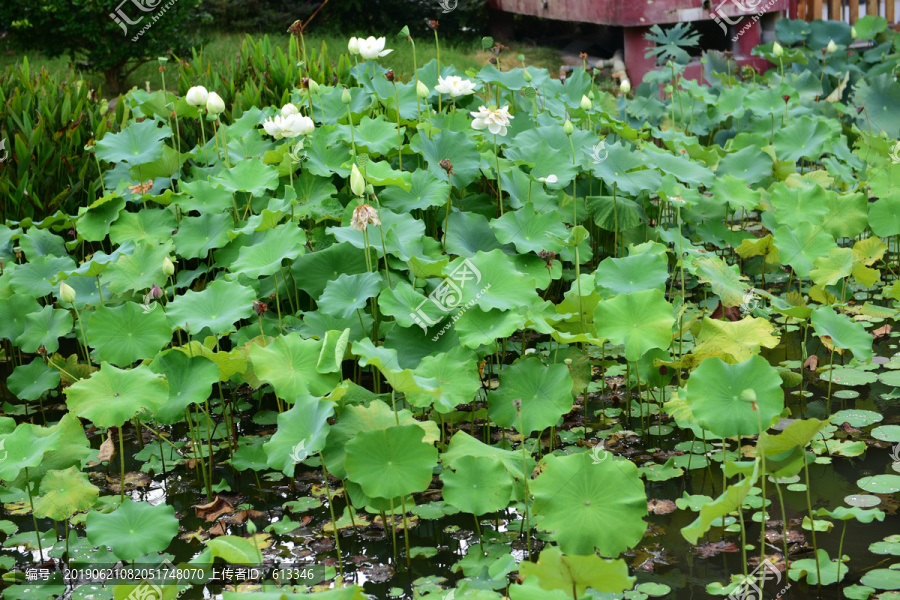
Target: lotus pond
[(500, 336)]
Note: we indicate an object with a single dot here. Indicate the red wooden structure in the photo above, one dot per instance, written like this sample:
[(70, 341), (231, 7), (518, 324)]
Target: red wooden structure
[(738, 19)]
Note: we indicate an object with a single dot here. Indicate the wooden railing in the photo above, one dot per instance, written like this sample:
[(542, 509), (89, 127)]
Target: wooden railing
[(836, 10)]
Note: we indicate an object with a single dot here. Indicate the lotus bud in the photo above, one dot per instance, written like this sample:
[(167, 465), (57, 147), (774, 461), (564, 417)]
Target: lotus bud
[(168, 267), (313, 86), (353, 46), (357, 183), (345, 96), (527, 76), (214, 104), (404, 32), (853, 32), (421, 90), (777, 50), (289, 109), (831, 47), (197, 96), (251, 527), (568, 362), (66, 293), (155, 292), (625, 86), (591, 94), (568, 127), (585, 103)]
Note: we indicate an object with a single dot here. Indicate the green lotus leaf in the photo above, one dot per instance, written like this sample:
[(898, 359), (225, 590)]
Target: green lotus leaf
[(137, 144), (588, 505), (545, 392), (250, 176), (641, 321), (126, 333), (529, 230), (880, 484), (831, 571), (458, 380), (884, 216), (44, 328), (804, 137), (13, 311), (799, 245), (726, 280), (40, 242), (739, 169), (628, 169), (469, 233), (325, 159), (24, 449), (301, 433), (73, 448), (289, 363), (265, 257), (402, 234), (454, 146), (198, 235), (112, 396), (843, 331), (234, 549), (349, 293), (190, 380), (880, 95), (463, 445), (890, 544), (391, 462), (631, 274), (832, 268), (140, 270), (739, 399), (93, 221), (856, 417), (731, 500), (217, 308), (887, 433), (403, 301), (386, 361), (134, 529), (735, 341), (476, 328), (204, 197), (150, 226), (477, 485), (33, 278), (574, 574), (881, 579), (615, 213), (31, 381), (313, 271), (425, 191), (490, 279), (334, 347), (64, 493), (847, 214)]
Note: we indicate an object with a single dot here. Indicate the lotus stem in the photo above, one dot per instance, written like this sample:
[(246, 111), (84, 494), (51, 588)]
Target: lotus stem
[(525, 481), (337, 541), (812, 522), (783, 525), (37, 530), (122, 461)]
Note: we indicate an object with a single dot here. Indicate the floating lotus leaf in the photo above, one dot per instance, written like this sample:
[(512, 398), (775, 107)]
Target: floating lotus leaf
[(588, 505), (391, 462), (880, 484), (219, 307), (64, 493), (574, 574), (112, 396), (732, 499), (134, 529), (737, 399), (857, 417), (123, 334), (831, 571), (544, 393), (301, 433), (641, 321)]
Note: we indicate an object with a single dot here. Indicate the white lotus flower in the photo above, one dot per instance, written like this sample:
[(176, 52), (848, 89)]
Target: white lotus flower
[(495, 120), (549, 179), (372, 48), (289, 109), (831, 48), (197, 96), (214, 104), (353, 46), (295, 125), (455, 86)]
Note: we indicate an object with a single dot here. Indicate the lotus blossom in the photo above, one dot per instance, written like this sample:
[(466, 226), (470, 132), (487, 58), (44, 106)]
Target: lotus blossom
[(288, 110), (363, 215), (455, 86), (288, 126), (353, 45), (549, 179), (214, 104), (495, 120), (372, 48)]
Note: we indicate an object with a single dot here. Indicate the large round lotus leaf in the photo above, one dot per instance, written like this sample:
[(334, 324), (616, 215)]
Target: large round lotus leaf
[(458, 381), (44, 328), (574, 574), (849, 377), (198, 235), (64, 493), (33, 278), (134, 529), (798, 246), (291, 365), (151, 226), (880, 484), (490, 279), (882, 579), (478, 485), (722, 396), (545, 392), (530, 231), (884, 216), (391, 462), (112, 396), (887, 433), (587, 505), (137, 144), (190, 380), (301, 433), (890, 545), (248, 176), (12, 315), (139, 271), (264, 258), (843, 331), (218, 307), (857, 417), (313, 271), (804, 137), (641, 321), (346, 294), (126, 333), (31, 381), (832, 268), (631, 274), (23, 449)]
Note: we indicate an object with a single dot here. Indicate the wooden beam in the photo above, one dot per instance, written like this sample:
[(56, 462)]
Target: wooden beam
[(872, 7), (816, 12), (834, 10), (854, 11), (889, 12)]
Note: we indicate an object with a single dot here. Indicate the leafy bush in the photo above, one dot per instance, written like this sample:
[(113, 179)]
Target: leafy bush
[(88, 33)]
